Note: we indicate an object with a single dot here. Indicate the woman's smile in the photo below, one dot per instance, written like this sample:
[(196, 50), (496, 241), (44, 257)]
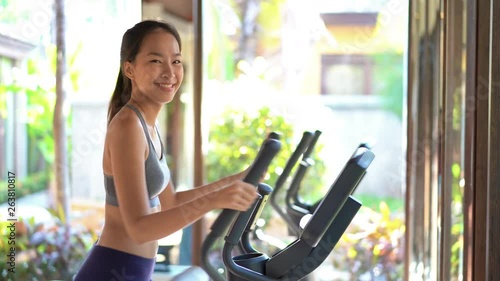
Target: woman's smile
[(166, 87)]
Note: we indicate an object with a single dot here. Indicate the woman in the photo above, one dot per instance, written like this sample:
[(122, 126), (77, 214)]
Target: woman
[(141, 205)]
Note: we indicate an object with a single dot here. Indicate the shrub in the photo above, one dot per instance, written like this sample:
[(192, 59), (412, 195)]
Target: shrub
[(45, 251), (372, 247), (235, 138)]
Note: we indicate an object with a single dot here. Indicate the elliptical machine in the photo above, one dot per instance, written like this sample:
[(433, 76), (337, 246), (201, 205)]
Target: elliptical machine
[(318, 238)]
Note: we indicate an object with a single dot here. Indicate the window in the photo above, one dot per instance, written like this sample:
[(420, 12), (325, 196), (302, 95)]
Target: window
[(346, 75)]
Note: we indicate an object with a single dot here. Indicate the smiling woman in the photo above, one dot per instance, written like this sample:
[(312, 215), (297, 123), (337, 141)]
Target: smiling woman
[(141, 204), (147, 57)]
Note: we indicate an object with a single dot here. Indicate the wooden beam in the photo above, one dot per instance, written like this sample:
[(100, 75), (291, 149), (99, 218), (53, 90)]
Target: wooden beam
[(198, 227), (482, 230)]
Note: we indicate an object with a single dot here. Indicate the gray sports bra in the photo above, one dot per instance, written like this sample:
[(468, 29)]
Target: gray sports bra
[(157, 172)]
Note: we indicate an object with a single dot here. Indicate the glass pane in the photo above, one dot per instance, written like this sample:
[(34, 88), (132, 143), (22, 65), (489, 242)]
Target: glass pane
[(436, 140), (424, 146), (296, 66), (453, 158)]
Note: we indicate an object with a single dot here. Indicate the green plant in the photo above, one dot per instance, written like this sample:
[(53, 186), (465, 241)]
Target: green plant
[(372, 246), (39, 89), (457, 228), (235, 138), (42, 98), (396, 205), (45, 251)]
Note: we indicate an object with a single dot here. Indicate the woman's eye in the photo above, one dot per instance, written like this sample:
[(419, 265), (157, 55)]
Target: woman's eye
[(156, 61), (177, 61)]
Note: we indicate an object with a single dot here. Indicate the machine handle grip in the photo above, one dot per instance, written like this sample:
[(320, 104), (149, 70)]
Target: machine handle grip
[(299, 150), (269, 151), (312, 144)]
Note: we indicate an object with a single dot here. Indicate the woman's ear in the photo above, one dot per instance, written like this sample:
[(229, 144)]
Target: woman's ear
[(128, 70)]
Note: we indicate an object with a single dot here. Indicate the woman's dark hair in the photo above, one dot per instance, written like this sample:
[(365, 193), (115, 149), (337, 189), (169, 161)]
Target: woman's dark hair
[(131, 43)]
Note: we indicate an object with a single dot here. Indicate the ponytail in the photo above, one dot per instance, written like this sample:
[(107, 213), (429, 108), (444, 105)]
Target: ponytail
[(121, 95)]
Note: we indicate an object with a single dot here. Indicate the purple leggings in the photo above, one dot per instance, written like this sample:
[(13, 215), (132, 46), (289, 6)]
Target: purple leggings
[(106, 264)]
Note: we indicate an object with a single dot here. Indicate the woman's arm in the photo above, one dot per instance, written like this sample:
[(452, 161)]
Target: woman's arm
[(170, 198), (128, 149), (238, 196)]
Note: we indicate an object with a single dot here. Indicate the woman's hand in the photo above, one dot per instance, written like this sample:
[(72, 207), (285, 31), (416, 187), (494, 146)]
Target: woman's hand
[(238, 196)]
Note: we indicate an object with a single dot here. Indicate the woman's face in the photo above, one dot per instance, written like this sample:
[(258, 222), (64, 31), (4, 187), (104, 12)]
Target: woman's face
[(157, 70)]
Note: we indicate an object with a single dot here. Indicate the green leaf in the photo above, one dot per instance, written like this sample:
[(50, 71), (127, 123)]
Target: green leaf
[(455, 170)]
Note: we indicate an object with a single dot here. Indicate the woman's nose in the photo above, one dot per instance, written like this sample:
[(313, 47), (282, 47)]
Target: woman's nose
[(168, 72)]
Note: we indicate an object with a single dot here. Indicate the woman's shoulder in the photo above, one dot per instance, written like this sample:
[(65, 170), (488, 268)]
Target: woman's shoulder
[(124, 135), (125, 123)]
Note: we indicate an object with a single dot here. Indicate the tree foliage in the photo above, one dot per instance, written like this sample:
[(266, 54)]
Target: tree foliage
[(235, 138)]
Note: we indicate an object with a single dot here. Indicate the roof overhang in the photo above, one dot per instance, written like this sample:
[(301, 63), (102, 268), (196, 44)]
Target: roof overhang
[(14, 48)]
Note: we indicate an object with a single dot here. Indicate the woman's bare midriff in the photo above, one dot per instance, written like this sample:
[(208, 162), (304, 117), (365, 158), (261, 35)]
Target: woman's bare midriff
[(115, 236)]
